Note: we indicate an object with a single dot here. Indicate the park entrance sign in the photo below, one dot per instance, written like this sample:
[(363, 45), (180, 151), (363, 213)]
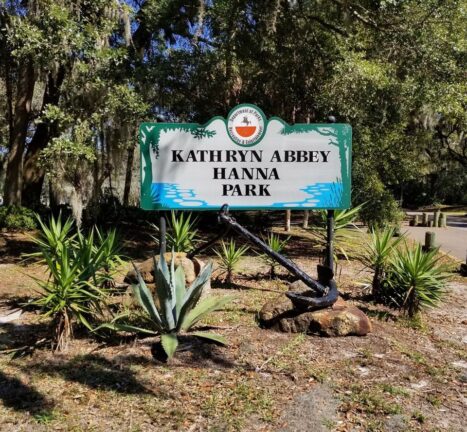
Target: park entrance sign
[(247, 161)]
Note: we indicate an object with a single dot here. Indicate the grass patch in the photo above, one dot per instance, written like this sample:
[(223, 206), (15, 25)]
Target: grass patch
[(318, 374), (281, 359), (329, 424), (434, 400), (394, 390), (45, 417), (230, 403), (375, 426), (416, 323), (419, 417), (371, 401), (436, 371), (413, 355), (450, 345)]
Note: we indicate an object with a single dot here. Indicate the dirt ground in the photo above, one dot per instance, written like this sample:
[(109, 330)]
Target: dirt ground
[(404, 376)]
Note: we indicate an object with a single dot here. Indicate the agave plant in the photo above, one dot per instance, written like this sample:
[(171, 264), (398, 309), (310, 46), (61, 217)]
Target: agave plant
[(181, 233), (416, 279), (176, 309), (277, 245), (230, 256), (377, 255)]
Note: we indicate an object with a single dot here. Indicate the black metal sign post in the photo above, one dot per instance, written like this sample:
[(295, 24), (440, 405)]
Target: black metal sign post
[(162, 234), (330, 227), (329, 259)]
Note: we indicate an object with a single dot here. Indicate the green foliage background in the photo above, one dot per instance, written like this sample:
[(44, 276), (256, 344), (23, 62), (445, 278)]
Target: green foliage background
[(394, 70)]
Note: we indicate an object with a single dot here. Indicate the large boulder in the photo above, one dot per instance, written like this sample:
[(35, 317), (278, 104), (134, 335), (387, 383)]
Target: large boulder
[(191, 267), (341, 319)]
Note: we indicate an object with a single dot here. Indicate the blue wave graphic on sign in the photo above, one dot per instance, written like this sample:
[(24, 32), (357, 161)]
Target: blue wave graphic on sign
[(321, 195), (170, 195)]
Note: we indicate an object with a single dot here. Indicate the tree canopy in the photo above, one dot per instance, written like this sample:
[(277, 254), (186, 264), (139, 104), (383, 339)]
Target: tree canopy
[(77, 77)]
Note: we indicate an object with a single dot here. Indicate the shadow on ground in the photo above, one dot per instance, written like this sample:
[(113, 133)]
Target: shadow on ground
[(95, 372), (198, 353), (13, 336), (13, 246), (207, 357), (22, 397)]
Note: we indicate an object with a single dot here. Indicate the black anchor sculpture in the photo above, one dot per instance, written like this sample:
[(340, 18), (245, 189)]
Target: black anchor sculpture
[(323, 292)]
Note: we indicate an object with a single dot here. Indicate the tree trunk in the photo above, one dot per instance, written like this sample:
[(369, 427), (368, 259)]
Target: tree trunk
[(128, 176), (14, 172), (9, 93), (288, 215), (33, 174), (306, 216), (96, 186), (3, 159), (376, 284)]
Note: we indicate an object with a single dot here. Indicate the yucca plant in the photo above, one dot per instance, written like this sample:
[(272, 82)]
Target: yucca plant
[(53, 238), (377, 254), (98, 253), (79, 269), (57, 235), (229, 255), (175, 309), (416, 279), (343, 237), (277, 245), (181, 232), (108, 243), (69, 293)]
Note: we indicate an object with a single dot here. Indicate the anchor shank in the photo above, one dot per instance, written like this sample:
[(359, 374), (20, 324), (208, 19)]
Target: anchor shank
[(228, 220)]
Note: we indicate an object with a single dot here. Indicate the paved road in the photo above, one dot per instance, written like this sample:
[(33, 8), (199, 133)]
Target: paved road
[(452, 239)]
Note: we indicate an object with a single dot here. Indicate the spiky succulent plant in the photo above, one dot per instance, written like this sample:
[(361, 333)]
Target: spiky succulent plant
[(174, 309)]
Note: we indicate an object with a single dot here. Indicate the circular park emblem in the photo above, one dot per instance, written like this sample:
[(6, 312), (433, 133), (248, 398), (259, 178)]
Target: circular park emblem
[(246, 125)]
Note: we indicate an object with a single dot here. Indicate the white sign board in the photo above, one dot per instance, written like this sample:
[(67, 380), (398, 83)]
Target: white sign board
[(245, 161)]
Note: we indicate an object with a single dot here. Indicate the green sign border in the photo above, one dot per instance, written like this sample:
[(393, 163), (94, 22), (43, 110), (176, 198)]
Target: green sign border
[(343, 135)]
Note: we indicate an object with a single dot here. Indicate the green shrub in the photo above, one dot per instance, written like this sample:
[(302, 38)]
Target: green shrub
[(176, 310), (17, 218), (108, 244), (181, 232), (381, 208), (343, 238), (377, 255), (230, 256), (79, 269), (53, 237), (415, 279), (277, 245)]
